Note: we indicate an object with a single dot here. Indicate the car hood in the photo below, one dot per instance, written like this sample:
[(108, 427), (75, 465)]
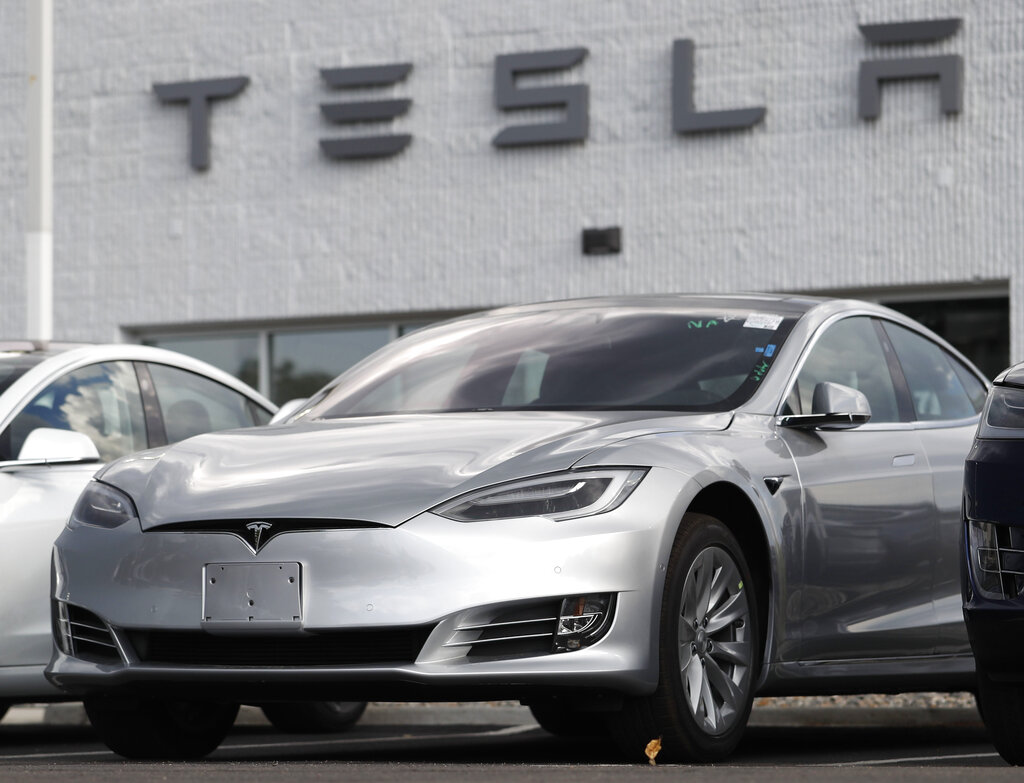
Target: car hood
[(383, 470)]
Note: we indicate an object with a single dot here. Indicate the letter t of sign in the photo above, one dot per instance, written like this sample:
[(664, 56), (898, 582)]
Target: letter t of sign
[(198, 96)]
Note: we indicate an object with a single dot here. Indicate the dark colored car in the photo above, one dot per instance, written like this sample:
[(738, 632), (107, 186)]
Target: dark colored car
[(993, 584)]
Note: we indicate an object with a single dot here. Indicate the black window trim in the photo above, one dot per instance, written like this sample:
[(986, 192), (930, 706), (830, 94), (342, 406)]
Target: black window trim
[(904, 399), (155, 430)]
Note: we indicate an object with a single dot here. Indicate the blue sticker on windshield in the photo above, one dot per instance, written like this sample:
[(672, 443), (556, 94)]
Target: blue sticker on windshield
[(767, 350)]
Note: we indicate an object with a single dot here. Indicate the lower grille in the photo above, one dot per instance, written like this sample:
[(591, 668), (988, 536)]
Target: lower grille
[(341, 648), (998, 558), (524, 630), (86, 634)]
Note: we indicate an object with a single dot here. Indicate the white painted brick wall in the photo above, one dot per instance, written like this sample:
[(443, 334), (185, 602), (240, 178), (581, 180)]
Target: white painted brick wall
[(812, 199)]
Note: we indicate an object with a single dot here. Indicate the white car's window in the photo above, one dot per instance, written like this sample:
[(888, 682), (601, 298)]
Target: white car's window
[(192, 404), (940, 386), (848, 353), (101, 401)]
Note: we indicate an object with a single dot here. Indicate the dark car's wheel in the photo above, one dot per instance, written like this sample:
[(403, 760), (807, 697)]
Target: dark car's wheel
[(564, 720), (1001, 705), (314, 717), (156, 729), (708, 649)]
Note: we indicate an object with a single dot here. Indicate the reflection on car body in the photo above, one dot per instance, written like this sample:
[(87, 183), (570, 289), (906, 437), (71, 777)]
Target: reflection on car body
[(633, 514)]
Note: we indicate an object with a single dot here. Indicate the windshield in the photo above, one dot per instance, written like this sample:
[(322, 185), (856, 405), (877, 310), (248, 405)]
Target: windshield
[(595, 358)]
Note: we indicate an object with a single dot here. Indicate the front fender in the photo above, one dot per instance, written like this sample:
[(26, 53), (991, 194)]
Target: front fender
[(714, 469)]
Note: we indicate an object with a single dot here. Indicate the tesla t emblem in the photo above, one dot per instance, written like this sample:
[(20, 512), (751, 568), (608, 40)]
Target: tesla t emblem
[(257, 529)]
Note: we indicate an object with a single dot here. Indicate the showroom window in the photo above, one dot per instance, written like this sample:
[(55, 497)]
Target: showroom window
[(302, 362), (977, 327), (235, 354), (285, 363)]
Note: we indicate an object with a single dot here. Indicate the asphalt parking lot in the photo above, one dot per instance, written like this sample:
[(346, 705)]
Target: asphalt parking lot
[(887, 738)]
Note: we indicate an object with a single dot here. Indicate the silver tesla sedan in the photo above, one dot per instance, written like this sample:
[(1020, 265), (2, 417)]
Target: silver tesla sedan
[(632, 514)]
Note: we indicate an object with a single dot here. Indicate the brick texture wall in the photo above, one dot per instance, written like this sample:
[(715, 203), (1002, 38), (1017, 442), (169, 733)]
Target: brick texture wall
[(813, 198)]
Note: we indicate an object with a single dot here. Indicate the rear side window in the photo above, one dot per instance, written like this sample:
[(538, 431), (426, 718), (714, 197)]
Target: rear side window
[(192, 404), (941, 387)]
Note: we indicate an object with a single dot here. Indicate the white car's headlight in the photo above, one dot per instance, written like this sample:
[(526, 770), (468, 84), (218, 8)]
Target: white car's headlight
[(557, 496), (100, 505)]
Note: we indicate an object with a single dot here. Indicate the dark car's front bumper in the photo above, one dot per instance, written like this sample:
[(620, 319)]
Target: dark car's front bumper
[(993, 587)]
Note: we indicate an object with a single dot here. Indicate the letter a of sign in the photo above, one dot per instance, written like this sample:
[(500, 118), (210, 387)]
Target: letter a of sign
[(947, 68), (685, 118), (198, 96), (574, 98)]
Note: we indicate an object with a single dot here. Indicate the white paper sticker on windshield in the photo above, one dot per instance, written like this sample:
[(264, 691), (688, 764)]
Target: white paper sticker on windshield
[(762, 321)]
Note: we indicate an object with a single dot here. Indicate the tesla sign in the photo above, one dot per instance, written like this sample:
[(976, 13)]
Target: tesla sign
[(573, 99)]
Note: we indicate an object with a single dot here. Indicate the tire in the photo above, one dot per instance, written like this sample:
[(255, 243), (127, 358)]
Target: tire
[(314, 717), (564, 720), (1001, 705), (160, 730), (709, 652)]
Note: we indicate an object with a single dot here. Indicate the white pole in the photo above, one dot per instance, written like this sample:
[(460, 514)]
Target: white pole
[(39, 215)]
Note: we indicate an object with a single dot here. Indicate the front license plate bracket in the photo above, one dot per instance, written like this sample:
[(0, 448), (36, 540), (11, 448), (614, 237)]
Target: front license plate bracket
[(252, 596)]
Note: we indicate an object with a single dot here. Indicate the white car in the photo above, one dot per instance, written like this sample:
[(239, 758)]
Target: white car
[(65, 409)]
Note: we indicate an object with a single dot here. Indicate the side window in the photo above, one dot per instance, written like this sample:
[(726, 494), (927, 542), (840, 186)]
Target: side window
[(101, 401), (851, 354), (192, 404), (940, 386)]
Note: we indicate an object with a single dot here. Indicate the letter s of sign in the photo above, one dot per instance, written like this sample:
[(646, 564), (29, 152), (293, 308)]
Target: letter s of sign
[(574, 98)]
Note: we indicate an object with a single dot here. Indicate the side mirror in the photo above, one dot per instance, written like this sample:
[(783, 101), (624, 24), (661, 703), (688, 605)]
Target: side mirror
[(833, 407), (289, 409), (44, 444)]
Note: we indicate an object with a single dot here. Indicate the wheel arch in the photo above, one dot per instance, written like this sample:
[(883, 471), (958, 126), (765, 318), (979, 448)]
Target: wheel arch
[(733, 508)]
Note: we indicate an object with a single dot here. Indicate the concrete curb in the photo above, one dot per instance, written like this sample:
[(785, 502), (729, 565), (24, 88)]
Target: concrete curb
[(513, 714)]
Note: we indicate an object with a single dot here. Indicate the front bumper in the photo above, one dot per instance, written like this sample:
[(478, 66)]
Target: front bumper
[(992, 570), (430, 575), (997, 638)]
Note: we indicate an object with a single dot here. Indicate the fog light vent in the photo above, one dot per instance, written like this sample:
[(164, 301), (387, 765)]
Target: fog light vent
[(81, 634), (998, 559), (582, 620)]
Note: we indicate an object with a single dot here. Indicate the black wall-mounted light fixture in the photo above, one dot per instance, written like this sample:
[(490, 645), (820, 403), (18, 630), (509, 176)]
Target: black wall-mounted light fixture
[(602, 241)]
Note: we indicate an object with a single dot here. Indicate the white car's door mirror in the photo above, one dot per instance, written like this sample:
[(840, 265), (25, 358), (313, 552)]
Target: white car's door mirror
[(45, 445)]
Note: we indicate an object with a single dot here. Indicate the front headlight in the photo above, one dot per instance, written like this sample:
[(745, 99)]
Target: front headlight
[(1004, 414), (100, 505), (558, 496)]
